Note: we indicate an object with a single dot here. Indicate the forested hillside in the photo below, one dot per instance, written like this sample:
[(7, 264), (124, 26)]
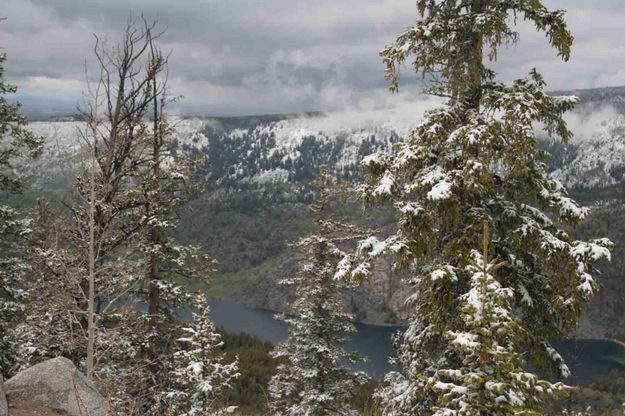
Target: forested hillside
[(257, 171)]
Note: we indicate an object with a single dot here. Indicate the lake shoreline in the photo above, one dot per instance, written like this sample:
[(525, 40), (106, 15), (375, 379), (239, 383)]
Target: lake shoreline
[(588, 359), (275, 311), (383, 325)]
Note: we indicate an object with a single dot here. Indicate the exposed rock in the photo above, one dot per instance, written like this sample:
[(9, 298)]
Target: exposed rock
[(4, 407), (57, 383), (35, 409)]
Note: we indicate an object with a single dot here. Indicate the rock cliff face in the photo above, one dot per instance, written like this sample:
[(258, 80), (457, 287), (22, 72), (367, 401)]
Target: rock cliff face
[(380, 301)]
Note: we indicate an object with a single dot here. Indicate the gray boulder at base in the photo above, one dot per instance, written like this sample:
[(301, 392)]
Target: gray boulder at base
[(4, 408), (56, 383)]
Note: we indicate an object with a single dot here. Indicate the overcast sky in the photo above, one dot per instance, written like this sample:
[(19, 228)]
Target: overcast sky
[(234, 57)]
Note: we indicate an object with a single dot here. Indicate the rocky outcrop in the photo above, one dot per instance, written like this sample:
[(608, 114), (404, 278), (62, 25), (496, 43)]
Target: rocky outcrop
[(58, 384), (4, 407)]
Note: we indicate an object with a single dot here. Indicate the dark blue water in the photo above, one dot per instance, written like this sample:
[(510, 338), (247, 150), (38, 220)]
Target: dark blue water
[(587, 359)]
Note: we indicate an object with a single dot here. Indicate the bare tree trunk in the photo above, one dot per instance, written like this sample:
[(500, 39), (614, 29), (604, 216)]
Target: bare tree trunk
[(91, 255), (117, 155), (156, 237)]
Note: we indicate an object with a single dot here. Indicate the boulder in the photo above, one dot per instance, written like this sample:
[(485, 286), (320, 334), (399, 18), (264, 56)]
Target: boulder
[(4, 407), (57, 383)]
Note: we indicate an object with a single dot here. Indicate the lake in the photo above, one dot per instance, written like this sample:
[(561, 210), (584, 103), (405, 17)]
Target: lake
[(587, 359)]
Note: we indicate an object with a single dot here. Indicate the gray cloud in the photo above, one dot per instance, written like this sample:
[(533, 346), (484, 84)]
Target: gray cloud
[(267, 56)]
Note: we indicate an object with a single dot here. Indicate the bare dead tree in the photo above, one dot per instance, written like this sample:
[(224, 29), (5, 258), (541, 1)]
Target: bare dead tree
[(114, 240), (124, 88), (98, 232)]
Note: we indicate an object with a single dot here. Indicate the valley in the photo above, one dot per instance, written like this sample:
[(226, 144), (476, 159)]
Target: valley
[(256, 173)]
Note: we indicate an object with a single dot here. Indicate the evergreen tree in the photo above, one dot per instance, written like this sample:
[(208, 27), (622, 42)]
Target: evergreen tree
[(490, 379), (477, 159), (200, 374), (165, 186), (315, 380), (17, 145)]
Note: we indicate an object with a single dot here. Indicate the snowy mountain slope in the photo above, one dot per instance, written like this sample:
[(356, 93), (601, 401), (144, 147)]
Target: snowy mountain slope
[(253, 151), (612, 96), (243, 153), (61, 155), (597, 159)]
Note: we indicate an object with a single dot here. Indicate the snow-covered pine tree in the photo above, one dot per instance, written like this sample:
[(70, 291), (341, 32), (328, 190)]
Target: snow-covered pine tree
[(165, 186), (201, 376), (490, 379), (17, 145), (315, 380), (477, 159)]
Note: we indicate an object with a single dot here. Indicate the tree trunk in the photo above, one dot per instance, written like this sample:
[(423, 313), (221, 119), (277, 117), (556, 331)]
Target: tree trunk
[(474, 91), (91, 261), (156, 234)]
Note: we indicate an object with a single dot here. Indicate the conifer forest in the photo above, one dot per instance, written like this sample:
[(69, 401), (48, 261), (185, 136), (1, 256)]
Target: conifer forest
[(323, 208)]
